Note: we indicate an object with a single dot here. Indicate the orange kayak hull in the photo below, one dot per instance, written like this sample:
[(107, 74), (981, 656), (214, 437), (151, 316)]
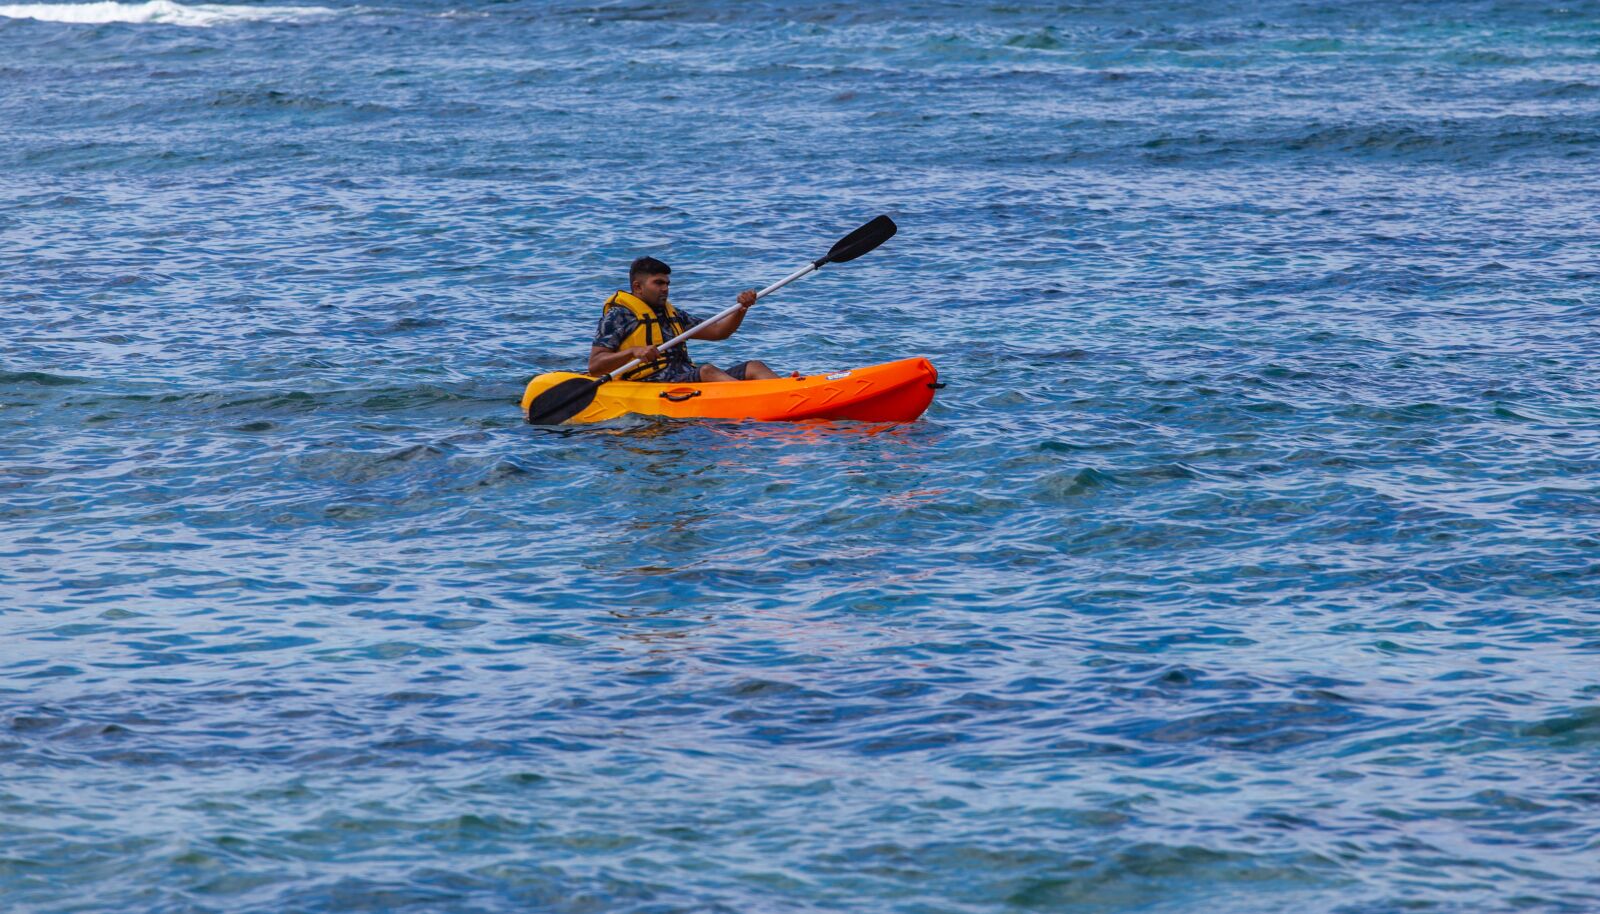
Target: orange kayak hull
[(891, 392)]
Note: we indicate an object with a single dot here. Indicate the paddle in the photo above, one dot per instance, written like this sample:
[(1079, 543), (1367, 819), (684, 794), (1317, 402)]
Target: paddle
[(573, 396)]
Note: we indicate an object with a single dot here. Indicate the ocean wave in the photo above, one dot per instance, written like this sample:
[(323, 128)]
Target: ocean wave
[(158, 12)]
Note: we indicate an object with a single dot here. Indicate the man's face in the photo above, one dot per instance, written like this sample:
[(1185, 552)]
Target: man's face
[(652, 289)]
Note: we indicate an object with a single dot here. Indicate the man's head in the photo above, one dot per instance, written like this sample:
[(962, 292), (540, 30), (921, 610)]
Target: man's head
[(649, 278)]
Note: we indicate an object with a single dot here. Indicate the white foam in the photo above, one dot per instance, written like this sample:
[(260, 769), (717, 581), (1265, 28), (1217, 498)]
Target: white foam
[(160, 12)]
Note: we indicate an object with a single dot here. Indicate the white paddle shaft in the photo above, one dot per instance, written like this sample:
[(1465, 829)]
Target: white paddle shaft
[(808, 268)]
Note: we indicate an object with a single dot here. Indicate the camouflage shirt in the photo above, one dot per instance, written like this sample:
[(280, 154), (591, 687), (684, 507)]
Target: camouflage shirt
[(617, 323)]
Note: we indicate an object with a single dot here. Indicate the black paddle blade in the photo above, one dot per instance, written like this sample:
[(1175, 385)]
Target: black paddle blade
[(861, 241), (562, 402)]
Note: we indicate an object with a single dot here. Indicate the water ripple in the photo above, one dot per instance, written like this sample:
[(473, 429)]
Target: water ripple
[(1248, 560)]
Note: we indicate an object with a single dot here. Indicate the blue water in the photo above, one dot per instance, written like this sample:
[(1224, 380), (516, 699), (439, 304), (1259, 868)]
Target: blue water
[(1250, 562)]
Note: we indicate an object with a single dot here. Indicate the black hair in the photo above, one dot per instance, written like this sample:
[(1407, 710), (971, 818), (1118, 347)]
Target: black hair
[(646, 266)]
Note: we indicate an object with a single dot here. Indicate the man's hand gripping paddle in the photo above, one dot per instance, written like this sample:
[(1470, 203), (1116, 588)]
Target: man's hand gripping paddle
[(573, 396)]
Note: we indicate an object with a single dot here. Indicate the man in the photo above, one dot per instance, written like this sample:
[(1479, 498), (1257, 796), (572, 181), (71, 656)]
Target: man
[(633, 324)]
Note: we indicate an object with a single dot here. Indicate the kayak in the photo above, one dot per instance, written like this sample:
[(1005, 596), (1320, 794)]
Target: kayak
[(891, 392)]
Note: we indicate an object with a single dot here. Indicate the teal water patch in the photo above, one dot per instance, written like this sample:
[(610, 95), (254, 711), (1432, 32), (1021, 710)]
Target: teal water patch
[(1246, 562)]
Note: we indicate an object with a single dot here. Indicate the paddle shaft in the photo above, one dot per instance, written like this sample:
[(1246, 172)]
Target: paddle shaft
[(808, 268)]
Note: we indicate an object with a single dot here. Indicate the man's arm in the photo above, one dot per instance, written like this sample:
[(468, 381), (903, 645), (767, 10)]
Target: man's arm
[(603, 360), (721, 330), (605, 354)]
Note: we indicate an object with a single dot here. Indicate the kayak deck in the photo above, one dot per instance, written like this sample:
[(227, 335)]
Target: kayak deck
[(891, 392)]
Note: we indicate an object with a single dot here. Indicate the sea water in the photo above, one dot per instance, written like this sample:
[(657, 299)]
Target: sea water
[(1250, 561)]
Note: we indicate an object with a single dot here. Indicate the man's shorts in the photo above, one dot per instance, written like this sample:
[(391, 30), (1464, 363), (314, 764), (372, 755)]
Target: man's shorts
[(690, 374)]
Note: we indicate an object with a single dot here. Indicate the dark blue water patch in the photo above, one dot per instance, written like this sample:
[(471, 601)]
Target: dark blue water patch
[(1557, 89), (1444, 142), (1246, 560), (304, 109), (21, 379)]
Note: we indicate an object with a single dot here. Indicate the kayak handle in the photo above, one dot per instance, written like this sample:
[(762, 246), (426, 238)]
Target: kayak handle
[(937, 385), (678, 396)]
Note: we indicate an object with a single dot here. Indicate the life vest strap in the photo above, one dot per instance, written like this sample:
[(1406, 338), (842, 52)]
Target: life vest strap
[(651, 330)]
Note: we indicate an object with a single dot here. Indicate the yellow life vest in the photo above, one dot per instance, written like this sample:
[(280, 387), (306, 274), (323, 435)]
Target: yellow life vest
[(653, 330)]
